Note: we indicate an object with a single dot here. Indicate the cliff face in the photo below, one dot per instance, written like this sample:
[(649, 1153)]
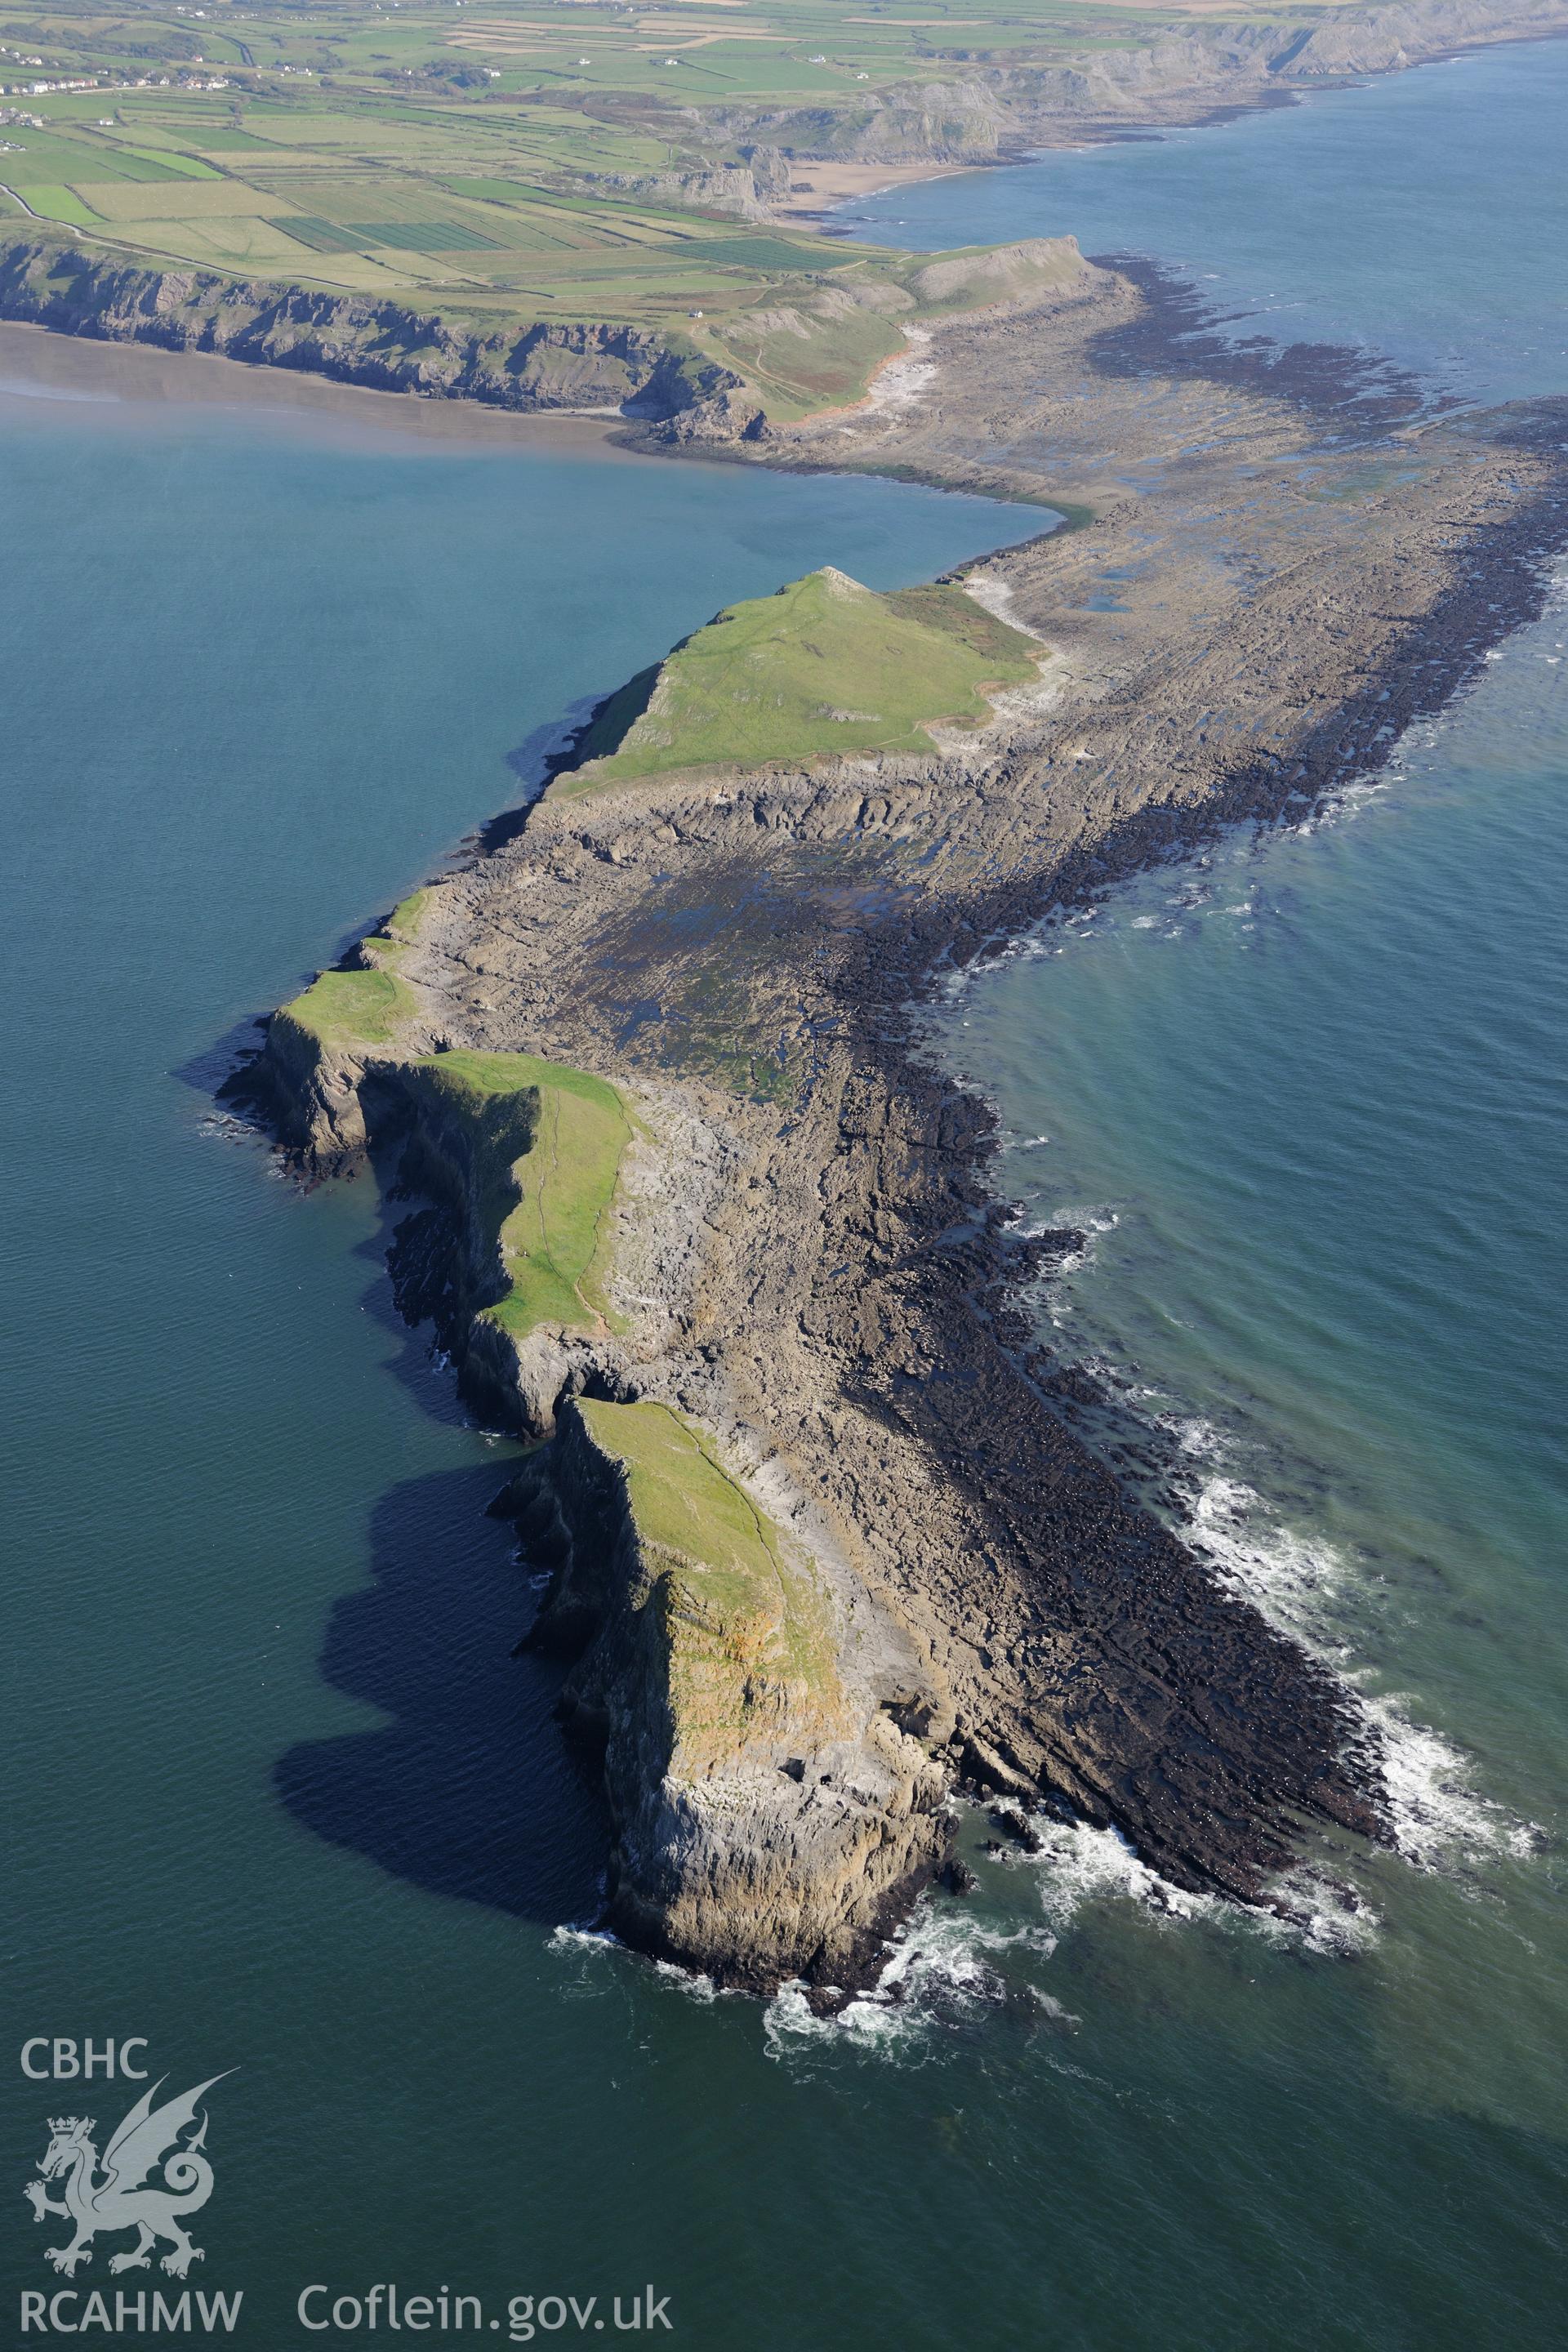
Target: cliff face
[(774, 1809), (46, 282), (990, 110), (762, 1727), (312, 1093), (746, 191), (476, 1160), (483, 1156)]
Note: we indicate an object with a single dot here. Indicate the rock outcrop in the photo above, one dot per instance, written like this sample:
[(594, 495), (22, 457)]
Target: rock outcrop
[(924, 1570), (763, 1729), (743, 191)]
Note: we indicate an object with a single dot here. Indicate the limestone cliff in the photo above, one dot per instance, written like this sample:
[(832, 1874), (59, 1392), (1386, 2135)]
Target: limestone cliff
[(531, 366), (757, 1717), (518, 1161), (743, 191), (990, 109), (762, 1725)]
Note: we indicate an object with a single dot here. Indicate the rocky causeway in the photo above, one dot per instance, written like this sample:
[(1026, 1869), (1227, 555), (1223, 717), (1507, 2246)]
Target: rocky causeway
[(701, 1214)]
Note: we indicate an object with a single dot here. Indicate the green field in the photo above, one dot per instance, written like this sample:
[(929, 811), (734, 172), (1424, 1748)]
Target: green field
[(824, 666), (544, 160)]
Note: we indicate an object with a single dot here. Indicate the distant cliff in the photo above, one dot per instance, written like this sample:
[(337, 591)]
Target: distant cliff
[(48, 281), (992, 109)]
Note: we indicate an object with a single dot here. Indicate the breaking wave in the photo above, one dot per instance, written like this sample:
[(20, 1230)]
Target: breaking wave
[(945, 1970), (1440, 1821)]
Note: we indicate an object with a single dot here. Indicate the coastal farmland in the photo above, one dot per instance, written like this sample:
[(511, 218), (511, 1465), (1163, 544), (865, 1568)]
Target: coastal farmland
[(566, 160)]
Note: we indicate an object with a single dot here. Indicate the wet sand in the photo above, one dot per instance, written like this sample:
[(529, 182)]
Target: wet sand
[(817, 189), (43, 370)]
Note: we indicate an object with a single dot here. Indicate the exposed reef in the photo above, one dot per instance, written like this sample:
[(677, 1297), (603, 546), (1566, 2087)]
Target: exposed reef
[(808, 1294)]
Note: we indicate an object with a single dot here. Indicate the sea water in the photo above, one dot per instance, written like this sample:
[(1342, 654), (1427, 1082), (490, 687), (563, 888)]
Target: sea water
[(278, 1797), (1423, 216)]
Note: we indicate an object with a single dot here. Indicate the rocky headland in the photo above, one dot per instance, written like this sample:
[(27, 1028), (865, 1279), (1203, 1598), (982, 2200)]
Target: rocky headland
[(707, 1221)]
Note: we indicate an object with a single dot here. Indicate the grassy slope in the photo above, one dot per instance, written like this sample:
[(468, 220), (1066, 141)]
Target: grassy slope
[(370, 1005), (747, 1630), (547, 1143), (824, 666)]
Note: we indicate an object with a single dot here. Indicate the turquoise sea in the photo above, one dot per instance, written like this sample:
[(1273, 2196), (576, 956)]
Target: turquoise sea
[(276, 1796)]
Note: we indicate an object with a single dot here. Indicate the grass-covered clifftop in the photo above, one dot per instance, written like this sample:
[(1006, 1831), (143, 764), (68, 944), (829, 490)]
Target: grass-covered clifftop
[(768, 1813), (366, 1003), (745, 1633), (527, 1151), (825, 665), (541, 1146)]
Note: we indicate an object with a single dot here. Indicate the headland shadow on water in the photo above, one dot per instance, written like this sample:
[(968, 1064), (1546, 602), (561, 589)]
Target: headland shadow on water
[(467, 1790)]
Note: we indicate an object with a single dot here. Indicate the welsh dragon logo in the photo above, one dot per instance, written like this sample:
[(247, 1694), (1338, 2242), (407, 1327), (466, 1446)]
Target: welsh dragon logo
[(116, 2192)]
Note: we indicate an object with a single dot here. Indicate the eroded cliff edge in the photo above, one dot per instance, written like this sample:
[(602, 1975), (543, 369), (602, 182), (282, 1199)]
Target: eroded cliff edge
[(808, 1276), (824, 331), (762, 1725), (531, 366)]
